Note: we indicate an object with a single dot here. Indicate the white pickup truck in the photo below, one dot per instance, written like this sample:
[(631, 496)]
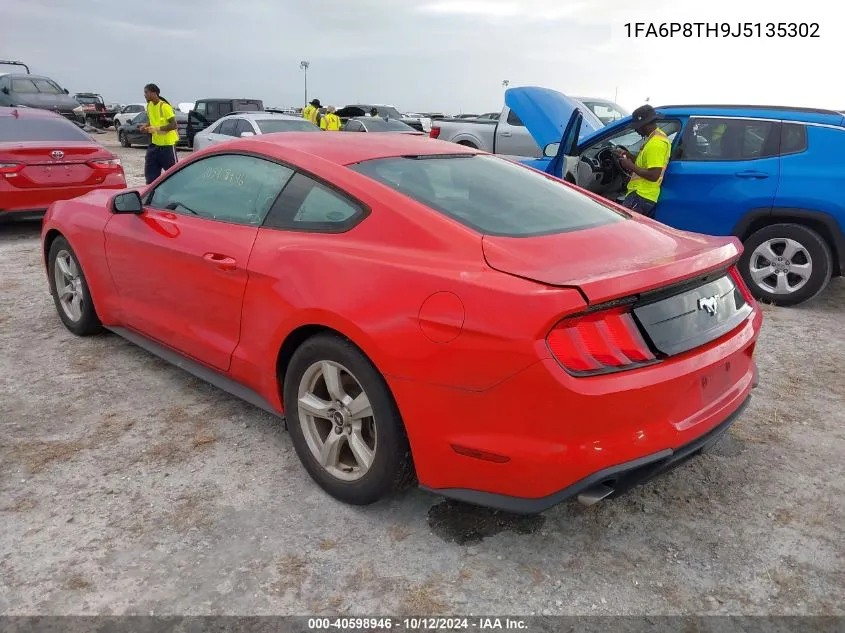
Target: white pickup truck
[(508, 135)]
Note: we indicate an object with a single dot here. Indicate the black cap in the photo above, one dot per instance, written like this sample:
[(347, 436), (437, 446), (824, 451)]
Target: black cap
[(315, 102), (643, 116)]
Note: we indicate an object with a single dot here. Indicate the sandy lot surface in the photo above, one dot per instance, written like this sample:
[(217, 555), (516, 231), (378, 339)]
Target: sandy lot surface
[(127, 486)]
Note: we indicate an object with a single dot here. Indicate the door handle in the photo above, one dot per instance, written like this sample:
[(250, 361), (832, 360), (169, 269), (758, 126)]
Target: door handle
[(752, 174), (505, 134), (223, 262)]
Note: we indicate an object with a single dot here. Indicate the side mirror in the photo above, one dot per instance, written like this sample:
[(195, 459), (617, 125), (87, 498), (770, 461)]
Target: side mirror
[(66, 92), (245, 134), (551, 150), (5, 90), (128, 202)]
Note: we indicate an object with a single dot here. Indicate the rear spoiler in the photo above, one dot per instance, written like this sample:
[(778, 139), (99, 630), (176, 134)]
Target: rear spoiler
[(5, 62)]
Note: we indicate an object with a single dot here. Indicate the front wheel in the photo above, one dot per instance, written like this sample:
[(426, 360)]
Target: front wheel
[(70, 290), (124, 142), (343, 422), (786, 264)]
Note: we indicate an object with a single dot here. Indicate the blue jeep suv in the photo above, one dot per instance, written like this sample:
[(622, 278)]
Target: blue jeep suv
[(772, 176)]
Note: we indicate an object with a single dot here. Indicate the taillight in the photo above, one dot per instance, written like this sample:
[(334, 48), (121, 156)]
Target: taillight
[(435, 132), (600, 342), (740, 284), (8, 169), (113, 163)]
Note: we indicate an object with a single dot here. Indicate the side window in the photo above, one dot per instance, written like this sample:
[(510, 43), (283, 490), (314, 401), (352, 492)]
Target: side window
[(224, 108), (731, 139), (307, 205), (228, 188), (513, 119), (631, 139), (354, 126), (23, 86), (4, 82), (243, 126), (227, 128), (202, 108), (141, 117), (793, 138)]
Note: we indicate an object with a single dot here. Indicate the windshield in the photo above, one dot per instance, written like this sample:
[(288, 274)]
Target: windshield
[(39, 129), (269, 126), (387, 111), (87, 99), (606, 112), (374, 124), (491, 195)]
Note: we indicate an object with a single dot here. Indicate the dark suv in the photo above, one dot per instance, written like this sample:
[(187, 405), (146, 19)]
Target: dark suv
[(207, 111), (36, 91)]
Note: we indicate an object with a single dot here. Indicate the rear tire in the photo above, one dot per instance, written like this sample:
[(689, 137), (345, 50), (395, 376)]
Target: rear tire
[(786, 264), (355, 425), (70, 290)]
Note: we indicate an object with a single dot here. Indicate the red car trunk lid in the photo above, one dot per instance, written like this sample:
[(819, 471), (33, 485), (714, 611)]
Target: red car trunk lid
[(50, 164), (611, 261)]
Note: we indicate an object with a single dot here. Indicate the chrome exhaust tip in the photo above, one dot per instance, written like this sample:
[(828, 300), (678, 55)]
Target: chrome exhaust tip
[(594, 494)]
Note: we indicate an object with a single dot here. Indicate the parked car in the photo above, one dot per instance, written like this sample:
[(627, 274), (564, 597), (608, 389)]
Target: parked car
[(512, 296), (421, 124), (377, 124), (127, 113), (606, 110), (97, 114), (44, 158), (504, 135), (207, 111), (131, 134), (245, 124), (37, 91), (773, 179)]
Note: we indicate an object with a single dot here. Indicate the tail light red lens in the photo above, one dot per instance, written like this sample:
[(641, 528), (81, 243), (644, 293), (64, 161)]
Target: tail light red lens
[(113, 163), (435, 132), (10, 168), (601, 342), (740, 284)]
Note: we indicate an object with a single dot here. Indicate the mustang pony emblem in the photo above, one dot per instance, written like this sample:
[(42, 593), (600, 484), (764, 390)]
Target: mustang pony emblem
[(711, 304)]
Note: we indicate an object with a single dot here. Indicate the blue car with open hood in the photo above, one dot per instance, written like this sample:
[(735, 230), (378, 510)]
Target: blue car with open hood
[(771, 176)]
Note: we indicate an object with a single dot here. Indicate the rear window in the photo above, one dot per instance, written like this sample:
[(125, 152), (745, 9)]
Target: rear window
[(39, 129), (247, 106), (491, 195), (269, 126)]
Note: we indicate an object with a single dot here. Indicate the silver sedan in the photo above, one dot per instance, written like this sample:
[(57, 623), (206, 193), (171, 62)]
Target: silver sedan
[(241, 124)]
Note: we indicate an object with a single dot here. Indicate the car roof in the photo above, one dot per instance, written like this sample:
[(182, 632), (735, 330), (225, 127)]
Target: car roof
[(30, 113), (262, 115), (806, 115), (225, 99), (346, 149)]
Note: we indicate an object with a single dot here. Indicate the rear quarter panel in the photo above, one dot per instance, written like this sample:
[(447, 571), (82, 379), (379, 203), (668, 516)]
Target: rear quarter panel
[(814, 180)]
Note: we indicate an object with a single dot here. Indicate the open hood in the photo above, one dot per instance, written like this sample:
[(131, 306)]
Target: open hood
[(546, 113)]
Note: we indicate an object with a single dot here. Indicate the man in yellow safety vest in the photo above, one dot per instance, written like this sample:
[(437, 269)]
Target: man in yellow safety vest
[(648, 168), (330, 122), (311, 111)]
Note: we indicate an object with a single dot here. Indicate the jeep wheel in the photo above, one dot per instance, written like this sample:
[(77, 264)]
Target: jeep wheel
[(786, 264)]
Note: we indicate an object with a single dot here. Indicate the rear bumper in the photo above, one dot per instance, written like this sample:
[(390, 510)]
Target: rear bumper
[(36, 199), (526, 443), (615, 480)]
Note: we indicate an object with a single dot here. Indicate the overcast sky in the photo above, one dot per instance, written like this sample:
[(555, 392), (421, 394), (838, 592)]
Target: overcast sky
[(448, 55)]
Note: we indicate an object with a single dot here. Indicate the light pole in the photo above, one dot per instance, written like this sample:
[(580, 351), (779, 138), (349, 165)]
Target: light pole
[(304, 66), (506, 83)]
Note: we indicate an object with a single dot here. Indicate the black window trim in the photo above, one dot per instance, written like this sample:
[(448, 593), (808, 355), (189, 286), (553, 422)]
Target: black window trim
[(776, 129), (363, 208)]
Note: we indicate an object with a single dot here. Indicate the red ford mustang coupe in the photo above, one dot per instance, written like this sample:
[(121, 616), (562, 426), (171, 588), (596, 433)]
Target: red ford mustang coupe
[(421, 311), (44, 158)]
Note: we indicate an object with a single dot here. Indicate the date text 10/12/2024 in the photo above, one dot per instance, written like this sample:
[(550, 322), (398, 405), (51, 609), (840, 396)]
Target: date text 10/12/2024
[(722, 29), (417, 624)]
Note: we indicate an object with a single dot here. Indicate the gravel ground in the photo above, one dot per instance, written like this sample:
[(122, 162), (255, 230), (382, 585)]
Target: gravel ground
[(127, 486)]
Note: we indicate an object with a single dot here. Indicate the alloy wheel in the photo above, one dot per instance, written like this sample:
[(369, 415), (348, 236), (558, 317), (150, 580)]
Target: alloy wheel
[(337, 420), (69, 287), (780, 266)]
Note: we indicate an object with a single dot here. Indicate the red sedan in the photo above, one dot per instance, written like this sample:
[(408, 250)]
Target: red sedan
[(421, 311), (45, 158)]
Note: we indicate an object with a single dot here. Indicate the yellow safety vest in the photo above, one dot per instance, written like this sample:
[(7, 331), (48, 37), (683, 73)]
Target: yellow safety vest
[(657, 145), (330, 123), (310, 113)]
